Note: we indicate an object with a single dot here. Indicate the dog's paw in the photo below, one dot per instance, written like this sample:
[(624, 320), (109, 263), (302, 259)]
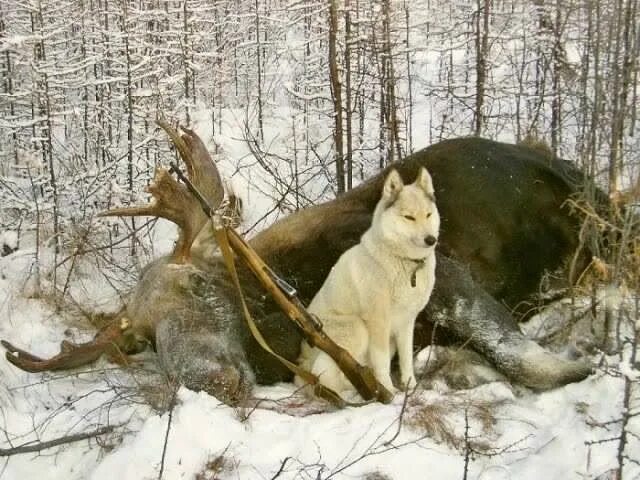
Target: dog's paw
[(409, 383), (389, 386)]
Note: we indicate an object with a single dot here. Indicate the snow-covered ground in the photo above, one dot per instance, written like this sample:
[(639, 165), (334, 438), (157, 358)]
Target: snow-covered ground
[(498, 431)]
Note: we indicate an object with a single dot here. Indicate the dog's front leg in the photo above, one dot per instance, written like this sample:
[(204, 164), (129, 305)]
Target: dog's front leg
[(404, 341), (380, 355)]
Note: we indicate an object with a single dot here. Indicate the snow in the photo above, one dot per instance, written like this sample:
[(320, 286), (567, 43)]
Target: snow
[(562, 433), (629, 371), (9, 238)]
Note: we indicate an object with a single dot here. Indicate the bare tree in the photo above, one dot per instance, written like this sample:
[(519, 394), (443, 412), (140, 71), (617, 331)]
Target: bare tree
[(482, 52), (259, 72), (623, 68), (336, 93)]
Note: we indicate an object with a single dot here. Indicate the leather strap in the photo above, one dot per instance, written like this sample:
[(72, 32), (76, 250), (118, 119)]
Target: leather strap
[(320, 390)]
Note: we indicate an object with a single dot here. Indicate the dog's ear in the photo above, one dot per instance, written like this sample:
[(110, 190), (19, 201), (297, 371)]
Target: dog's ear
[(424, 181), (392, 186)]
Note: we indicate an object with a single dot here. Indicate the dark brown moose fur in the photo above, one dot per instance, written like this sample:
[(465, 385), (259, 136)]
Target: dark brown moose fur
[(504, 224)]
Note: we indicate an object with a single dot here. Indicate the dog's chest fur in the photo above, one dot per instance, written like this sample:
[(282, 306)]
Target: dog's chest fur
[(409, 285), (410, 282), (376, 287)]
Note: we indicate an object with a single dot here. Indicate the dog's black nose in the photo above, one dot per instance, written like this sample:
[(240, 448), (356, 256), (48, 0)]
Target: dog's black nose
[(430, 240)]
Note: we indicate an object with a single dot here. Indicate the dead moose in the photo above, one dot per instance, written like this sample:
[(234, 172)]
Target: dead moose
[(505, 224)]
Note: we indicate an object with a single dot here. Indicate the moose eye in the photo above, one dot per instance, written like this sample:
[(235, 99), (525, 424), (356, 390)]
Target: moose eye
[(411, 218)]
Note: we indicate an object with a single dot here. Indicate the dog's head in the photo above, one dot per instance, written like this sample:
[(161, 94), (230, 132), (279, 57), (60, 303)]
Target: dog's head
[(406, 215)]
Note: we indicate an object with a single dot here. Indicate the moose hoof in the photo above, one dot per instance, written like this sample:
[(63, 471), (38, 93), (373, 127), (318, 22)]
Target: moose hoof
[(542, 370)]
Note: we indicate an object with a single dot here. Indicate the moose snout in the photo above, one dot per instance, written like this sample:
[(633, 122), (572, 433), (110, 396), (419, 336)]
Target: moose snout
[(430, 240)]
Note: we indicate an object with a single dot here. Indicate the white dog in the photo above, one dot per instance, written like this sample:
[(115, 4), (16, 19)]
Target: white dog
[(369, 302)]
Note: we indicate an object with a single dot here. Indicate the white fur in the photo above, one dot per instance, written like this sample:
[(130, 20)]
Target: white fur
[(368, 304)]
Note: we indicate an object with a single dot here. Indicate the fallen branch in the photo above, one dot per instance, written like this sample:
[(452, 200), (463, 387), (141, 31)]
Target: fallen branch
[(37, 447), (281, 469)]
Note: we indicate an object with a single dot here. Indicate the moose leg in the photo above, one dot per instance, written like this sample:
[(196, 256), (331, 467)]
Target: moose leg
[(473, 315)]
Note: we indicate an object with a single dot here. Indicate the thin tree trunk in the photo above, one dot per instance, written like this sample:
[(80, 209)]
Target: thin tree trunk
[(393, 146), (218, 62), (259, 72), (47, 147), (306, 105), (620, 103), (348, 94), (85, 87), (383, 125), (617, 112), (597, 90), (97, 92), (556, 101), (336, 93), (129, 103), (584, 84), (106, 105), (185, 59), (409, 80), (482, 51), (8, 86)]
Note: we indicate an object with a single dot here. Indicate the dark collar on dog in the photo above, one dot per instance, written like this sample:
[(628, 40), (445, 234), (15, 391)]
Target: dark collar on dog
[(419, 263)]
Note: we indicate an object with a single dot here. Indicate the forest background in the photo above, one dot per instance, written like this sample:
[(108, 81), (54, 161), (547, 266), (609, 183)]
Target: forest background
[(304, 99)]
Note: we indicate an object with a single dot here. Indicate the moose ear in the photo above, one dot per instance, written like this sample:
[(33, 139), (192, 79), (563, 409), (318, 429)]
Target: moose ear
[(392, 186), (424, 181)]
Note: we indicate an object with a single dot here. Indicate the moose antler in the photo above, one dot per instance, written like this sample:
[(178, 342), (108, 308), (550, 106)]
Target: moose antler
[(172, 200), (115, 340)]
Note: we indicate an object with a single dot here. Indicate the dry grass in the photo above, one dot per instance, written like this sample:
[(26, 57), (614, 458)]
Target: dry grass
[(613, 237), (534, 141), (216, 466), (376, 476), (432, 420), (436, 420)]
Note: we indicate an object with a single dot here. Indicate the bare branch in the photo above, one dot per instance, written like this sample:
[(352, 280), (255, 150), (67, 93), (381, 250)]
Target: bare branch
[(37, 447)]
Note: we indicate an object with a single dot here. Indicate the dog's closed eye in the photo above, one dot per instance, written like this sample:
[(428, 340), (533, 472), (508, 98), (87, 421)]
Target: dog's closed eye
[(429, 214), (411, 218)]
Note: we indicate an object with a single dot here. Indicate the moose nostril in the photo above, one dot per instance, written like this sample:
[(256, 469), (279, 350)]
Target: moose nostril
[(430, 240)]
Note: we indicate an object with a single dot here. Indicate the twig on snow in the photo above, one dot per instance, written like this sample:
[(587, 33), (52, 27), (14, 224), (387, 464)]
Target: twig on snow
[(37, 447), (166, 435)]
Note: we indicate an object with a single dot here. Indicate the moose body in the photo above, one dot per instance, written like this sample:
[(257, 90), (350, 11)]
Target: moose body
[(504, 223)]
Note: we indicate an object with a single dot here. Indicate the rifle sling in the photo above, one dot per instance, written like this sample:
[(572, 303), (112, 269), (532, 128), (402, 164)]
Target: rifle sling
[(319, 389)]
